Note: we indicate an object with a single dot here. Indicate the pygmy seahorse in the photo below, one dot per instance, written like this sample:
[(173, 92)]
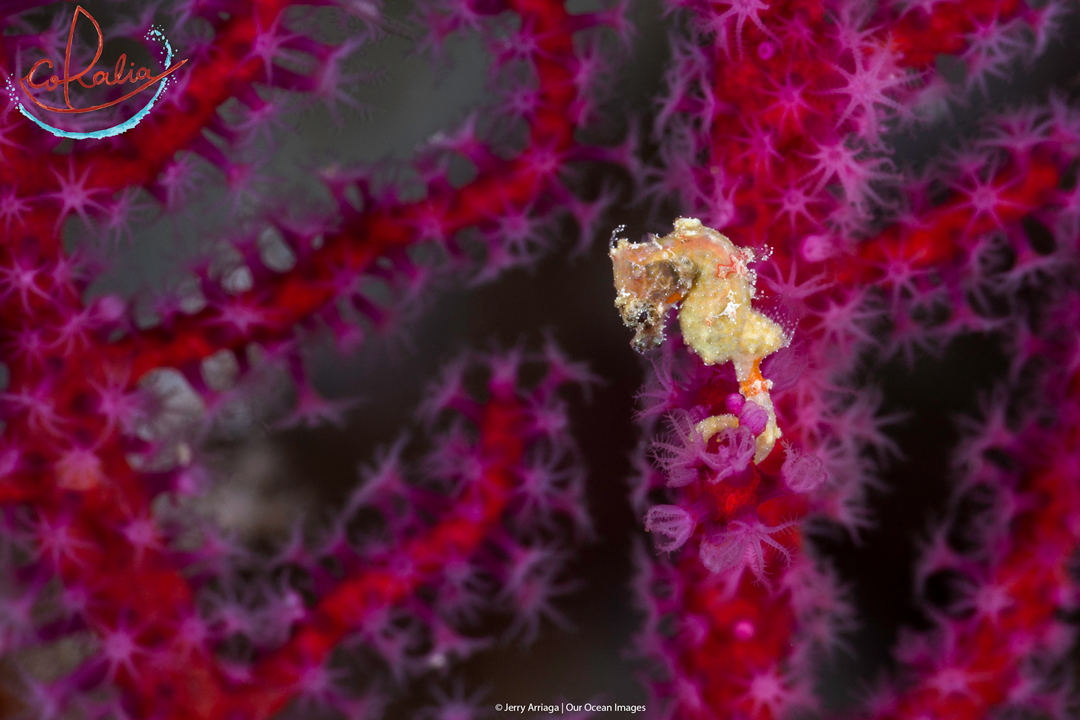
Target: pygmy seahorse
[(710, 277)]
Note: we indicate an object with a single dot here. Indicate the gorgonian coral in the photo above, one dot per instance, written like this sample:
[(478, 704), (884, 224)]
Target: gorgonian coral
[(845, 231)]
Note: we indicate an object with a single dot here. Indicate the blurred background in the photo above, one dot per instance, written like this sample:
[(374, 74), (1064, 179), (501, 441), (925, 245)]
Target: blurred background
[(268, 476)]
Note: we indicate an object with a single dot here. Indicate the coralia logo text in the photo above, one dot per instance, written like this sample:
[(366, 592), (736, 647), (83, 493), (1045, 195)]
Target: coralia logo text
[(141, 78)]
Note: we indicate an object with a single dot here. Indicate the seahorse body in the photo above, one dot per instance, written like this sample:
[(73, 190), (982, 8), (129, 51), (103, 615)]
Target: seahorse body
[(703, 273)]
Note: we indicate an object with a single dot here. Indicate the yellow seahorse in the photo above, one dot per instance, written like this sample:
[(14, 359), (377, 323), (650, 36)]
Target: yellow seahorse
[(710, 277)]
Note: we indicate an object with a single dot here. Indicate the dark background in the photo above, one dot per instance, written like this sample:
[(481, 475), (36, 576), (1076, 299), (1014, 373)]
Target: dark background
[(405, 100)]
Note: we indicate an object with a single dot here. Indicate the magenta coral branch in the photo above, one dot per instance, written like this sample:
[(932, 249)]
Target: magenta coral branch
[(197, 690), (503, 186), (72, 468), (946, 234), (763, 428), (785, 120), (980, 660)]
